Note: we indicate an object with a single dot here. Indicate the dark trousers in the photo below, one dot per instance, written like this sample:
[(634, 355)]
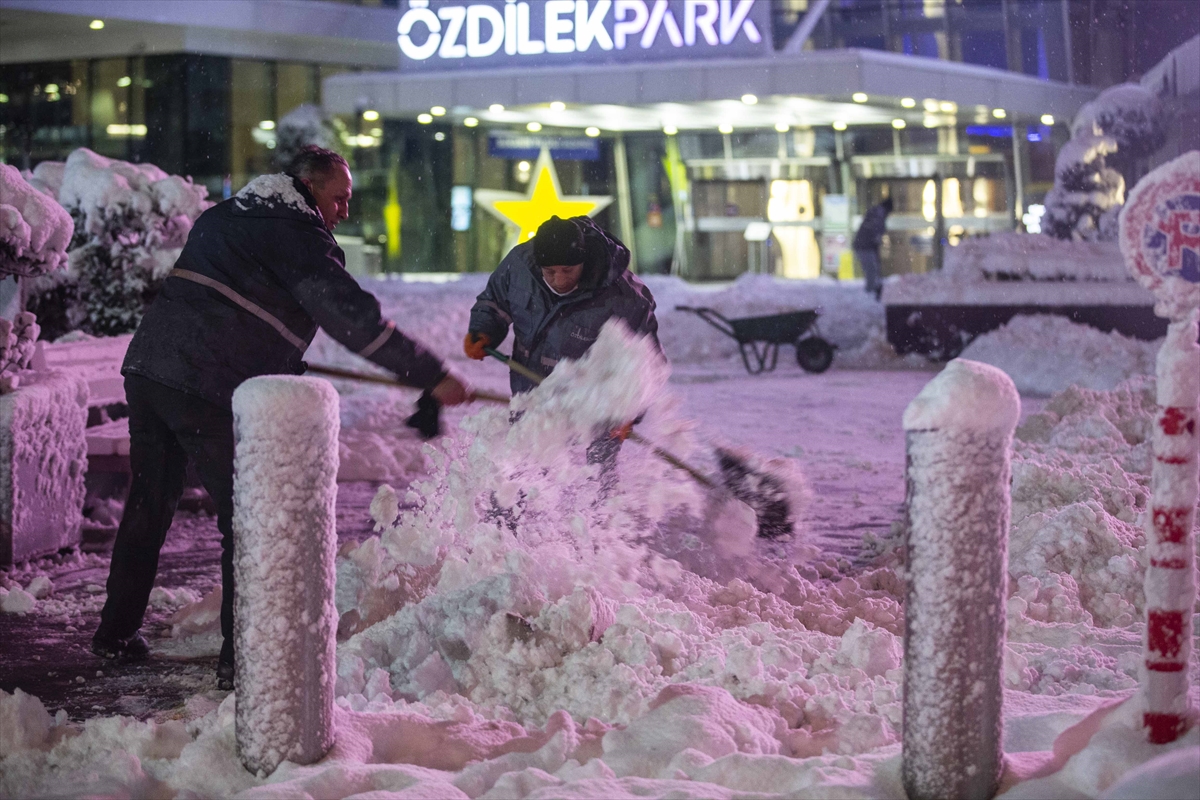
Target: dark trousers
[(872, 270), (167, 428)]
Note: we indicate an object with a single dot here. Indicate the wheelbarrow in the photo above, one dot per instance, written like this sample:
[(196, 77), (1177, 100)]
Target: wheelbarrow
[(760, 337)]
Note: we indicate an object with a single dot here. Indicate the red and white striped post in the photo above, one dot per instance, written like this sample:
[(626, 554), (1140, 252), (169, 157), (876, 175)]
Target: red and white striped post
[(1160, 239)]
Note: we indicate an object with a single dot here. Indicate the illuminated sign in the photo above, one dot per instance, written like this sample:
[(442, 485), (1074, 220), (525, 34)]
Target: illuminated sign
[(447, 34)]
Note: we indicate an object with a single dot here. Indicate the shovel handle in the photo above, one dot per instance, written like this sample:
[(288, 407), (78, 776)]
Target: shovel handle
[(336, 372), (515, 366)]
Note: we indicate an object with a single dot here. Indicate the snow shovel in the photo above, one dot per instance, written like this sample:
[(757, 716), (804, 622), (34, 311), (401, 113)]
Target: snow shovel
[(764, 493)]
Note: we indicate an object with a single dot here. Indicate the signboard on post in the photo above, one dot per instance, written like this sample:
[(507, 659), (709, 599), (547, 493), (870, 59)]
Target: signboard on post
[(1160, 240), (474, 34)]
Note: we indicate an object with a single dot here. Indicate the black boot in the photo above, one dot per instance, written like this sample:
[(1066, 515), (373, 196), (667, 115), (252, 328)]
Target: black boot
[(132, 649), (225, 666)]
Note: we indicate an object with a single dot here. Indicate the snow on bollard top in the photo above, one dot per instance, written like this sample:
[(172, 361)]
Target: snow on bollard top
[(967, 396), (1160, 235), (310, 403)]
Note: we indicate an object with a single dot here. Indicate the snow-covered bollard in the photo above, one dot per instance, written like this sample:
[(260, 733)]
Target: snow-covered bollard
[(959, 437), (1160, 240), (285, 540)]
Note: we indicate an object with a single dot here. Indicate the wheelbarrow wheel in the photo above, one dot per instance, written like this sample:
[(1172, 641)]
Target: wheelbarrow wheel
[(814, 354)]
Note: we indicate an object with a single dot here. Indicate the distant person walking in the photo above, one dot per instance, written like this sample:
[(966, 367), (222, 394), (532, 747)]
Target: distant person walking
[(866, 244)]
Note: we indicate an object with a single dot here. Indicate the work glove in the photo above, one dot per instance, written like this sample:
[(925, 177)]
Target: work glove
[(621, 432), (474, 344)]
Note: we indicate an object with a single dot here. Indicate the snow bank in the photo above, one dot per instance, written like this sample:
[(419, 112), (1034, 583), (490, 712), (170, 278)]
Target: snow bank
[(284, 493), (1022, 256), (1045, 353), (34, 229), (521, 647)]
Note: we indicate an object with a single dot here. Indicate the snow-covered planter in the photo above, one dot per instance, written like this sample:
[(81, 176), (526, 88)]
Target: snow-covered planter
[(989, 280), (130, 221), (43, 458), (285, 487), (959, 438)]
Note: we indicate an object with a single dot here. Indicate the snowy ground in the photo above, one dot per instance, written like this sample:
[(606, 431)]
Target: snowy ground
[(685, 687)]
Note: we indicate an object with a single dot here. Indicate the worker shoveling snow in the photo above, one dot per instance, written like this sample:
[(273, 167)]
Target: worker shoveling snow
[(516, 518)]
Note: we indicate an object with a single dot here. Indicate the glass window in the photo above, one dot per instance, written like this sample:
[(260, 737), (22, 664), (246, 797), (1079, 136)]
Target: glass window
[(252, 120)]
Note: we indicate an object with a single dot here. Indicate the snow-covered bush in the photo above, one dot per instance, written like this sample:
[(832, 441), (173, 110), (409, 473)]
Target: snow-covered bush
[(302, 126), (1109, 135), (130, 221), (34, 229)]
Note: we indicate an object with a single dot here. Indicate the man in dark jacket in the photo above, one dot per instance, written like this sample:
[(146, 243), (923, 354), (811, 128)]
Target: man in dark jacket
[(259, 274), (867, 242), (556, 291)]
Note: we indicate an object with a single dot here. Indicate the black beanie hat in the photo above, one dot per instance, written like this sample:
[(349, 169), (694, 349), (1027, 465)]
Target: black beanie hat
[(558, 243)]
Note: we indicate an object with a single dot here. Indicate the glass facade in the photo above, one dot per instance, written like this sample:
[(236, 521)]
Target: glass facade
[(188, 114), (1025, 36)]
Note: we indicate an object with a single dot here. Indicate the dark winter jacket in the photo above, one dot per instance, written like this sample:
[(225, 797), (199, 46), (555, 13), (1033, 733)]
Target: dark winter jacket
[(874, 225), (258, 275), (547, 327)]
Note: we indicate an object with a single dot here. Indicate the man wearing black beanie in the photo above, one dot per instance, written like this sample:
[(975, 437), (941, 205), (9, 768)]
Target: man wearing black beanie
[(556, 291)]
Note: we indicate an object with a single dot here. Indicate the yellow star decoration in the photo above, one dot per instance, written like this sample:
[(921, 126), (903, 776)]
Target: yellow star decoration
[(524, 213)]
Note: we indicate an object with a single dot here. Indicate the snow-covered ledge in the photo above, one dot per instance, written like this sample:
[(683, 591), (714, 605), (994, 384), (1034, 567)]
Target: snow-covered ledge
[(43, 458)]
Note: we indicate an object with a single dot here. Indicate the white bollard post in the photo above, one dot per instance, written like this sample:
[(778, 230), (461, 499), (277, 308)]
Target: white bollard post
[(1160, 240), (285, 621), (959, 438)]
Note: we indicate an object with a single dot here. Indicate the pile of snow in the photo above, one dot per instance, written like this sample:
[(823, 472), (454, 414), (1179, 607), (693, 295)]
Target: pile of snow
[(1046, 353), (515, 636), (304, 125), (130, 222), (34, 229)]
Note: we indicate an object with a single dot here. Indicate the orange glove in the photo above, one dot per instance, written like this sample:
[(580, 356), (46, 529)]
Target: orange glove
[(621, 432), (474, 343)]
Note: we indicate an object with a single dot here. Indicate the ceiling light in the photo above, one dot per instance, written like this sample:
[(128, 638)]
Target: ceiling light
[(51, 88), (558, 105), (749, 99), (670, 130), (470, 122), (898, 124), (533, 127), (495, 108), (931, 122), (1047, 119), (839, 125), (930, 105), (782, 127), (999, 113), (592, 131), (267, 124), (907, 102), (439, 137), (424, 119), (438, 111), (725, 128), (859, 97), (96, 24), (523, 166), (370, 115), (376, 132), (947, 107), (124, 81), (3, 98)]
